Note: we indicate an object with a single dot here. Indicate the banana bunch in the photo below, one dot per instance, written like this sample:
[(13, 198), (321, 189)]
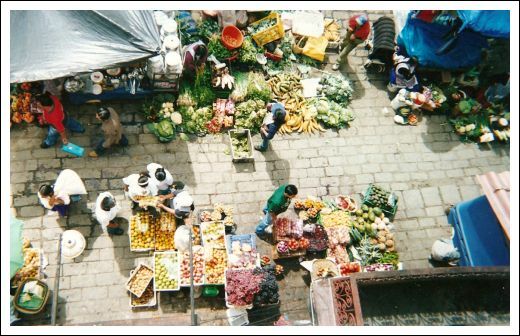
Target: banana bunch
[(305, 122), (331, 30)]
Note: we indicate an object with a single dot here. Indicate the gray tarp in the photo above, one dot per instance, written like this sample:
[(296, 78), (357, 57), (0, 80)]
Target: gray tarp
[(53, 44)]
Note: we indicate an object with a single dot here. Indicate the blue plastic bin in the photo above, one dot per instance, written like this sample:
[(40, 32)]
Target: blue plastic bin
[(478, 234)]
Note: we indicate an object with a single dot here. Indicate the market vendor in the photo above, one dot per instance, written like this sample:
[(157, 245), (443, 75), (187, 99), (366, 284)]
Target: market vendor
[(112, 131), (195, 56), (137, 185), (402, 76), (276, 204), (57, 197), (105, 212), (357, 32), (54, 116), (161, 180), (182, 206), (271, 124)]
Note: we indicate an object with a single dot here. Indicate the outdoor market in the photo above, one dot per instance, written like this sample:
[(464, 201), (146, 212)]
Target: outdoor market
[(233, 77)]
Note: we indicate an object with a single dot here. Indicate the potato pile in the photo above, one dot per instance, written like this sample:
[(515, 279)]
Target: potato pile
[(216, 261), (198, 266), (142, 231), (145, 298), (140, 280), (166, 271)]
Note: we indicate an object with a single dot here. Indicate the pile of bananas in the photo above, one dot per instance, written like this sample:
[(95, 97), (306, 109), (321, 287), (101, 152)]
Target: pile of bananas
[(331, 30), (287, 89)]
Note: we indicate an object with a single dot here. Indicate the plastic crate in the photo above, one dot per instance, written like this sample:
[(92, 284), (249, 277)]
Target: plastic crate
[(478, 235), (389, 214), (237, 133), (196, 248), (270, 34), (130, 233), (243, 239)]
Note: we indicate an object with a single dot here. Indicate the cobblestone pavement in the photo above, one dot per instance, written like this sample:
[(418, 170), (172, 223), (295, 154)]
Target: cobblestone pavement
[(426, 165)]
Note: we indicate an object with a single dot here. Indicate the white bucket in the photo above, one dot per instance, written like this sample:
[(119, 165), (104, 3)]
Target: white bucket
[(173, 62), (171, 42), (169, 27), (160, 17)]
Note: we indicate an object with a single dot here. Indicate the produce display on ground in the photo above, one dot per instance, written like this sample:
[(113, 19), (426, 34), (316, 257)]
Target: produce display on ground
[(31, 265), (166, 271), (268, 292), (214, 266), (198, 267), (242, 255), (241, 287), (142, 232), (250, 115), (241, 144), (286, 228), (213, 234), (148, 297), (139, 280)]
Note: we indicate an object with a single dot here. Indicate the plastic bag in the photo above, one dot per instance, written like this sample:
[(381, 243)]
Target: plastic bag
[(315, 47), (443, 250), (226, 18), (182, 238), (242, 18)]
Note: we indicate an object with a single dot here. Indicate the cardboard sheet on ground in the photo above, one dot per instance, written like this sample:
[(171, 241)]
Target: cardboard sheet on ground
[(308, 24)]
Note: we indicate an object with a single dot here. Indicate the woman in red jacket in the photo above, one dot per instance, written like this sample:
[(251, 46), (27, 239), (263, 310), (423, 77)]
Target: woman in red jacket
[(54, 116), (357, 32)]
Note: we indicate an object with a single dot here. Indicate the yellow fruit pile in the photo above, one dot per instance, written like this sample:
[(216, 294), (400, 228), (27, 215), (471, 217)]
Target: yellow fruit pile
[(138, 239), (216, 261), (336, 218), (163, 279), (213, 234), (287, 89), (140, 280), (165, 232)]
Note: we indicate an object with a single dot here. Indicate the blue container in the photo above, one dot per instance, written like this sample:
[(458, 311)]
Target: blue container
[(73, 149), (478, 234)]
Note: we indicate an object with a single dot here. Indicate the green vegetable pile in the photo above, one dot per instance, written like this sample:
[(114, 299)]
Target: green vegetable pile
[(152, 107), (262, 26), (240, 90), (216, 48), (257, 87), (389, 258), (331, 113), (250, 115), (194, 120), (240, 146), (207, 28), (247, 52), (336, 88)]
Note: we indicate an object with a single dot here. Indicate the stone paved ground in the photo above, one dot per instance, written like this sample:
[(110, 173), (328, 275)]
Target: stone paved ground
[(426, 165)]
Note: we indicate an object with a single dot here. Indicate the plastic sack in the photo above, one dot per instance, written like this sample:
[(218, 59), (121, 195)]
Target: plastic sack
[(242, 18), (226, 18), (315, 47), (182, 238), (443, 250)]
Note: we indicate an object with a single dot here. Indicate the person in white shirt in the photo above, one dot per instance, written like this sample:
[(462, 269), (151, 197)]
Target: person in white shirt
[(160, 179), (105, 211), (181, 205), (67, 188), (137, 185)]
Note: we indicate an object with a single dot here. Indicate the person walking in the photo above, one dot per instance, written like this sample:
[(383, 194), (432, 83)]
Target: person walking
[(273, 120), (357, 32), (160, 179), (276, 204), (68, 187), (54, 116), (112, 131), (105, 212)]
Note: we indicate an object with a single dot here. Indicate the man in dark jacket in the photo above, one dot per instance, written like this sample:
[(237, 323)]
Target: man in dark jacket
[(275, 118)]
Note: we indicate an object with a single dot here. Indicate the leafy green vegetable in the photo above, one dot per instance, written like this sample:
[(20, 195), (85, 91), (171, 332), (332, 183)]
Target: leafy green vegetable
[(247, 52), (250, 115), (256, 28), (151, 107), (257, 87), (336, 88), (216, 48), (194, 120), (240, 146), (207, 28), (389, 258), (331, 113)]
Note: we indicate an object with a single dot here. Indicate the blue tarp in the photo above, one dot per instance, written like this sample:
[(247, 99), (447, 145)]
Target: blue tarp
[(490, 23), (422, 39)]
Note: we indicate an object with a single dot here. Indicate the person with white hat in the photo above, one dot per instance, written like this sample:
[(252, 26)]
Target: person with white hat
[(137, 185), (160, 179), (105, 211), (181, 205)]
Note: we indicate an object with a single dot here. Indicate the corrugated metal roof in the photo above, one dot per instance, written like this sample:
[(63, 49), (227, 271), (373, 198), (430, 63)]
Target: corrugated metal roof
[(497, 190)]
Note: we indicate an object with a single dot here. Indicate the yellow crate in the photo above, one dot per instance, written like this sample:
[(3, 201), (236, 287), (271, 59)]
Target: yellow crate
[(270, 34)]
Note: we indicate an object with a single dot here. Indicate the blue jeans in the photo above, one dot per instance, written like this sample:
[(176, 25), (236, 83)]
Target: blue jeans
[(264, 223), (70, 124), (264, 145), (100, 150)]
